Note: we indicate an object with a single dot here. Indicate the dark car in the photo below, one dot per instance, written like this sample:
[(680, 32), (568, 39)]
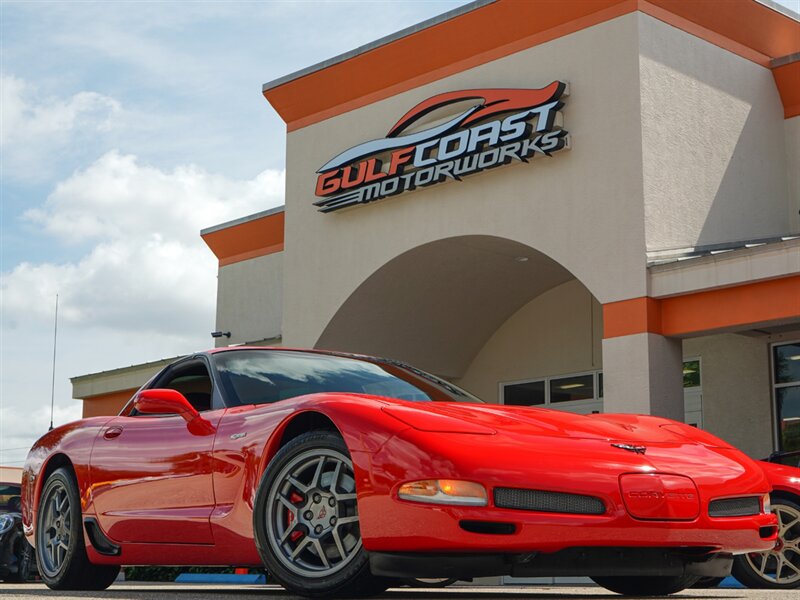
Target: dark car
[(16, 555)]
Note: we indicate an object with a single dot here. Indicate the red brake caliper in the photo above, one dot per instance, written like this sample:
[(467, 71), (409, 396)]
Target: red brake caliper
[(294, 498)]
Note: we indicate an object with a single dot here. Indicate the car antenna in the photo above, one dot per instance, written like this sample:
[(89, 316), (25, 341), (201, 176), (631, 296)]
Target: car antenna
[(53, 383)]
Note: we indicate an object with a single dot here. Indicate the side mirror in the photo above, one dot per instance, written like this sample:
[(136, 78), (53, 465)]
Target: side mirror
[(172, 402)]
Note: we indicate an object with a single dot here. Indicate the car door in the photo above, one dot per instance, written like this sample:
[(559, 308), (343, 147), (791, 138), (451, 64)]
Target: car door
[(151, 476)]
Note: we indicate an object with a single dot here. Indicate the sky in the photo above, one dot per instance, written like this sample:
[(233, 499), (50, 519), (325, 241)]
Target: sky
[(125, 128)]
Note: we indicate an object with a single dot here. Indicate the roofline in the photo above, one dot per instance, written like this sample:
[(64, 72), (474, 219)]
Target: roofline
[(121, 370), (780, 8), (446, 16), (242, 220)]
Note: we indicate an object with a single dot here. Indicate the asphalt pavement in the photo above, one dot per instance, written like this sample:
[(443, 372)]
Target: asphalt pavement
[(143, 591)]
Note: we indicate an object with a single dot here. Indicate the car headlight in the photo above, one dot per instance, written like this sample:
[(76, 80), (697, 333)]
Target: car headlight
[(6, 523), (444, 491)]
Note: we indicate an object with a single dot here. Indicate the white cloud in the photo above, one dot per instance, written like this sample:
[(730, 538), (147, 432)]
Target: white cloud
[(149, 269), (145, 290), (34, 129)]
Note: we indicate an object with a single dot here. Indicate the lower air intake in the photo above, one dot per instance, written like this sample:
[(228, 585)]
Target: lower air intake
[(735, 507), (554, 502)]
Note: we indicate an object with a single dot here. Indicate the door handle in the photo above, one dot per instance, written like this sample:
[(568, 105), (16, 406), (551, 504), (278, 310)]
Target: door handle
[(112, 432)]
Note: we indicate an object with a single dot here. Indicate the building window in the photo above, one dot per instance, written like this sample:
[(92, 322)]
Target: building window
[(529, 393), (691, 373), (579, 393), (566, 389), (786, 380)]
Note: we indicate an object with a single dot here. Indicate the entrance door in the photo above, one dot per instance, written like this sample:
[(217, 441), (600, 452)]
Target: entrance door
[(151, 477)]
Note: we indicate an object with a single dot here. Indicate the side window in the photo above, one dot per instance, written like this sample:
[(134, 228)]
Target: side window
[(191, 380)]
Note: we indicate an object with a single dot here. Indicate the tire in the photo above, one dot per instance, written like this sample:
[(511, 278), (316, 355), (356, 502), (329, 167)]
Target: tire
[(25, 559), (646, 586), (60, 547), (760, 570), (305, 521)]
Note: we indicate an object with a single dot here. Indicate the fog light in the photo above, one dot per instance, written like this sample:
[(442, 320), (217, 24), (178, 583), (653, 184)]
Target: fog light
[(766, 504), (444, 491)]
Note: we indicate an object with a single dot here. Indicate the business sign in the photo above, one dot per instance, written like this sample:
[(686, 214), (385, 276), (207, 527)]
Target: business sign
[(505, 125)]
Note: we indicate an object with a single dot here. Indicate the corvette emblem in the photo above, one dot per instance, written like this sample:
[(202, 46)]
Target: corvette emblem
[(631, 448)]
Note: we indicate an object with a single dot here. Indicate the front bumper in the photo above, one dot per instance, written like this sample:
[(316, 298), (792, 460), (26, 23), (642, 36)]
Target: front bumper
[(574, 562), (416, 527), (584, 467)]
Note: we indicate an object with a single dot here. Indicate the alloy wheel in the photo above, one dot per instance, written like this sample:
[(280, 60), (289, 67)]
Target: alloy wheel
[(781, 565), (312, 518), (54, 533)]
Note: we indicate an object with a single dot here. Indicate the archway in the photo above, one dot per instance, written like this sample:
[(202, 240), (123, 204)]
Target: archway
[(436, 305)]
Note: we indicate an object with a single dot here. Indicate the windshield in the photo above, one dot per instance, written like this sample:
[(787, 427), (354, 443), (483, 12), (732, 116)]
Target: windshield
[(266, 376), (9, 498)]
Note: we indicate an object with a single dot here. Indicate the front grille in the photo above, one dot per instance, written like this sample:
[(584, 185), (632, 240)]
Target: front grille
[(542, 501), (735, 507)]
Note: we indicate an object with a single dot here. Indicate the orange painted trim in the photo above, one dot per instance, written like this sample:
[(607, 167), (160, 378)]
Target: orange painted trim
[(749, 304), (618, 8), (629, 317), (744, 27), (726, 42), (787, 78), (223, 262), (250, 239)]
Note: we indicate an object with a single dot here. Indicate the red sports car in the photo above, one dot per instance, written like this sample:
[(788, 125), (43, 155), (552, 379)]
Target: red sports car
[(343, 473)]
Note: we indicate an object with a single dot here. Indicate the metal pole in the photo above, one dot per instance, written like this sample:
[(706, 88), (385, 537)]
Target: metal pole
[(53, 383)]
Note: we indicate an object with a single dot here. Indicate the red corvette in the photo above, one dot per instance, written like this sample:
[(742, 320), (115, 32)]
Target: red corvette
[(343, 473)]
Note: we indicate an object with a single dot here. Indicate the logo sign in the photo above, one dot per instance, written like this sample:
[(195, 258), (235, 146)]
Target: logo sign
[(500, 126)]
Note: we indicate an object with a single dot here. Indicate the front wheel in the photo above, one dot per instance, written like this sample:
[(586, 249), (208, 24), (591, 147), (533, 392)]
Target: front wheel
[(60, 549), (779, 568), (305, 520), (646, 586)]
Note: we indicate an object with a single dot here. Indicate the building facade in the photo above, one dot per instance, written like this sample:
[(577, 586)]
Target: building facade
[(588, 206)]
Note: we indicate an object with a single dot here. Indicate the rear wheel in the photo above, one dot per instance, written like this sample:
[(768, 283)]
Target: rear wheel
[(306, 523), (778, 568), (646, 586), (60, 548)]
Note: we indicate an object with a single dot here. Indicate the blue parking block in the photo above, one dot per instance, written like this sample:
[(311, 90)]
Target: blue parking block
[(731, 582), (220, 578)]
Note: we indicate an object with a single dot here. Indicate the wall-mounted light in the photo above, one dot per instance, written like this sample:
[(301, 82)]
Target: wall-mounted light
[(219, 334)]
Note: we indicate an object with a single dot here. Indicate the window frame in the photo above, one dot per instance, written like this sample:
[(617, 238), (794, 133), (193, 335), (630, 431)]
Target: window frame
[(217, 401), (547, 379), (777, 439)]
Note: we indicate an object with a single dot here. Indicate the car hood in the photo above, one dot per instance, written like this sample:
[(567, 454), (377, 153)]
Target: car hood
[(434, 416)]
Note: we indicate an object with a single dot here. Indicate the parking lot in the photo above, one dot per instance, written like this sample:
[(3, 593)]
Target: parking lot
[(139, 591)]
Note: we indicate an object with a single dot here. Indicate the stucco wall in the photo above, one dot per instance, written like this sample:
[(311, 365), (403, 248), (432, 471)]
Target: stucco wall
[(557, 333), (714, 157), (250, 299), (737, 403), (792, 130), (582, 207)]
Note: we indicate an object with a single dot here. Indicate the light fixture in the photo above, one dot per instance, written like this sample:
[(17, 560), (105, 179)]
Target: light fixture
[(444, 491), (687, 371), (795, 357), (570, 386), (219, 334)]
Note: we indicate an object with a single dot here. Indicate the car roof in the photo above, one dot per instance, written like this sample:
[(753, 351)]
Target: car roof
[(305, 350)]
